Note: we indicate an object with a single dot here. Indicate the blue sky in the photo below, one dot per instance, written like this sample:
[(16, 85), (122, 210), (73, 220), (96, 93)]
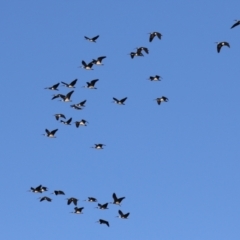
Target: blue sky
[(177, 164)]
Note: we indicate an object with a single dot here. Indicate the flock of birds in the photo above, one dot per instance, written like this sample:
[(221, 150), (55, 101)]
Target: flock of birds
[(79, 106), (79, 210), (91, 85)]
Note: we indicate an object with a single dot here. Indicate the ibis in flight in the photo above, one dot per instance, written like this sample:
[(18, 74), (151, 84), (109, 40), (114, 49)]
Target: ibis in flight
[(58, 192), (155, 78), (75, 106), (101, 221), (102, 206), (92, 39), (37, 189), (120, 102), (59, 115), (71, 84), (236, 23), (78, 210), (140, 49), (122, 215), (81, 123), (50, 134), (68, 122), (221, 44), (91, 199), (87, 66), (54, 87), (81, 104), (99, 146), (161, 99), (117, 200), (91, 84), (72, 200), (45, 198), (154, 34), (98, 61)]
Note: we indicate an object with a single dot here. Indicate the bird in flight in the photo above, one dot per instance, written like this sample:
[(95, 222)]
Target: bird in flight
[(98, 61), (122, 215), (101, 221), (120, 102), (236, 23), (50, 134), (221, 44), (154, 34), (161, 99), (92, 39), (71, 84), (53, 87)]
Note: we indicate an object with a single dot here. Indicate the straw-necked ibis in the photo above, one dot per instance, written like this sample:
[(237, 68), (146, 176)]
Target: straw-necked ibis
[(58, 192), (154, 34), (59, 115), (161, 99), (117, 200), (98, 61), (155, 78), (81, 123), (236, 23), (92, 39), (45, 198), (72, 200), (87, 66), (78, 210), (71, 84), (221, 44), (101, 221), (50, 134), (122, 215), (102, 206), (98, 146), (91, 84), (68, 122), (91, 199), (120, 102), (54, 87)]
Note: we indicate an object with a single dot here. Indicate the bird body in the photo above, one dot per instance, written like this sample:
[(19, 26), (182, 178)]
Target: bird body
[(117, 200), (91, 199), (50, 134), (59, 115), (91, 84), (101, 221), (78, 210), (161, 99), (98, 61), (68, 122), (92, 39), (81, 123), (102, 206), (122, 215), (58, 192), (45, 198), (99, 146), (120, 102), (53, 87), (87, 66), (72, 200), (221, 44), (71, 84), (236, 23), (154, 34), (155, 78)]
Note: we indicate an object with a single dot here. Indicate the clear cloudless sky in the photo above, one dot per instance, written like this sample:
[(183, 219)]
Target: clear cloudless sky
[(177, 164)]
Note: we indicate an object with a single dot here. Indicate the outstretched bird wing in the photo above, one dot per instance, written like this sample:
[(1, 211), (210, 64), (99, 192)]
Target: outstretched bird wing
[(95, 38)]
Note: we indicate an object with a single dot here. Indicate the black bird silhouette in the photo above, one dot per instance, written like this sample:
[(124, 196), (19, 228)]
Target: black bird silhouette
[(140, 49), (98, 61), (116, 200), (50, 134), (81, 104), (92, 39), (78, 210), (67, 97), (68, 122), (72, 200), (81, 123), (221, 44), (37, 189), (136, 54), (236, 23), (45, 198), (99, 146), (91, 199), (120, 102), (75, 106), (59, 115), (156, 78), (154, 34), (161, 99), (71, 84), (102, 206), (91, 84), (54, 87), (101, 221), (87, 66), (58, 192), (123, 216), (58, 96)]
